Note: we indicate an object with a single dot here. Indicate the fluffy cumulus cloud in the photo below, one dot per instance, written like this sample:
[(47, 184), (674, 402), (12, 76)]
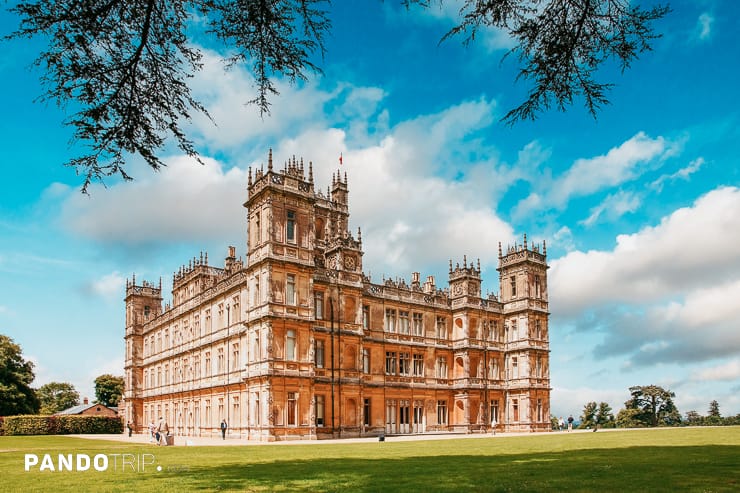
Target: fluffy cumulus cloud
[(185, 201), (665, 293), (109, 286), (415, 191), (729, 371), (587, 176)]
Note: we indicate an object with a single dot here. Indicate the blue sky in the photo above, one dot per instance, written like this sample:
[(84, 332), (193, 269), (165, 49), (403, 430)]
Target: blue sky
[(640, 207)]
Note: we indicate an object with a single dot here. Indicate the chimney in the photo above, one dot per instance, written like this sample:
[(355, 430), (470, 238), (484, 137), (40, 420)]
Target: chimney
[(84, 401)]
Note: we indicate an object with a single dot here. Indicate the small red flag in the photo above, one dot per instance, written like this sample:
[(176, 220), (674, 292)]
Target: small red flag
[(340, 158)]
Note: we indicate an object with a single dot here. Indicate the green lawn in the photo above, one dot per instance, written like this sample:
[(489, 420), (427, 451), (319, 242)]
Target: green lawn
[(680, 459)]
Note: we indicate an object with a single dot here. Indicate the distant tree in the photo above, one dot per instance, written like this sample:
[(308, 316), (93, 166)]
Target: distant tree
[(109, 389), (57, 396), (694, 419), (713, 416), (125, 64), (554, 422), (588, 418), (604, 416), (16, 375), (630, 418), (655, 406)]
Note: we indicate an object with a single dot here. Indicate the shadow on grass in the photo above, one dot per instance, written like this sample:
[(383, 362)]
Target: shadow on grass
[(691, 468)]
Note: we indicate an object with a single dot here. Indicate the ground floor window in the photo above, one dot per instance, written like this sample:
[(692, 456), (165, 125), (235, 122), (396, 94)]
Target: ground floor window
[(442, 412), (320, 410), (292, 408)]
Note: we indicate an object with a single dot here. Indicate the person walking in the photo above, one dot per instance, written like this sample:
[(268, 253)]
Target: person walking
[(561, 424), (223, 429), (130, 429), (163, 429), (570, 423)]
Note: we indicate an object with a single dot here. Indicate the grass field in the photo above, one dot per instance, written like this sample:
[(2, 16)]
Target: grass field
[(679, 459)]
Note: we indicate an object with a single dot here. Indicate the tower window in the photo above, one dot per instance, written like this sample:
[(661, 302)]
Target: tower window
[(290, 290), (513, 286), (290, 227)]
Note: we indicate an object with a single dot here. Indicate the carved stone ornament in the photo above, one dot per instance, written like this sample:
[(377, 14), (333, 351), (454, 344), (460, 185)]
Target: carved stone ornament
[(349, 263), (332, 264), (457, 289)]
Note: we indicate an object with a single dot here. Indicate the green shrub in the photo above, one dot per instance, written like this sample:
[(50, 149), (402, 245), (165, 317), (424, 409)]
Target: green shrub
[(61, 425)]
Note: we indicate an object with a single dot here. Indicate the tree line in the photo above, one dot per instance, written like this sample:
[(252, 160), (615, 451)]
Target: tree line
[(648, 406), (18, 397)]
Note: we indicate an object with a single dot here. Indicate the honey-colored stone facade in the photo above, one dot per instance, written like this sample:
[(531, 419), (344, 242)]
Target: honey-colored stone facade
[(295, 342)]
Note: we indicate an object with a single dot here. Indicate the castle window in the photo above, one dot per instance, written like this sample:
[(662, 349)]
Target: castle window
[(494, 411), (514, 367), (319, 353), (404, 364), (209, 368), (366, 412), (441, 328), (418, 324), (366, 317), (515, 409), (257, 228), (318, 301), (441, 367), (290, 227), (513, 286), (290, 290), (320, 405), (257, 411), (537, 291), (366, 360), (390, 363), (235, 356), (403, 322), (390, 320), (220, 361), (539, 410), (418, 365), (290, 345), (292, 408), (441, 412)]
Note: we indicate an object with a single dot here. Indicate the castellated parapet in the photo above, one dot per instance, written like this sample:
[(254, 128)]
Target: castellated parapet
[(295, 341)]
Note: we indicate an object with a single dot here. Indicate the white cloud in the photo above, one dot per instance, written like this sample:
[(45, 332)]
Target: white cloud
[(585, 177), (613, 207), (110, 286), (704, 25), (688, 249), (393, 188), (452, 13), (729, 371), (681, 174), (184, 201), (665, 293)]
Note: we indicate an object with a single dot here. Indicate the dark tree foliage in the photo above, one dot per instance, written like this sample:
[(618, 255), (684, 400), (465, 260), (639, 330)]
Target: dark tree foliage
[(588, 418), (604, 416), (125, 64), (16, 375), (109, 389), (561, 44), (714, 409), (653, 405), (57, 396)]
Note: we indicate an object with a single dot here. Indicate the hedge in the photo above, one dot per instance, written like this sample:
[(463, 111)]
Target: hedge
[(61, 425)]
